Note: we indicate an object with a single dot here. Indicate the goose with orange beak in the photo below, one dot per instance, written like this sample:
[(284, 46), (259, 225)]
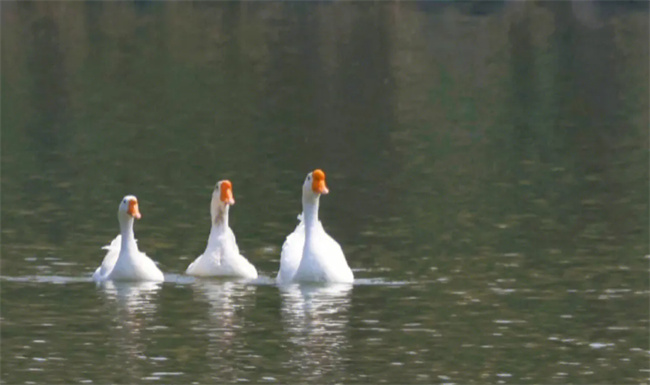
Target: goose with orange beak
[(221, 257), (309, 254), (123, 261)]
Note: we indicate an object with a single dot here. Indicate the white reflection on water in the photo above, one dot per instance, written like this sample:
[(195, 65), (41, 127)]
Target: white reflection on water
[(316, 319), (132, 306), (226, 301), (135, 300)]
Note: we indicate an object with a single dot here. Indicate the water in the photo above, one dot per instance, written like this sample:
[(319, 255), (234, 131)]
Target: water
[(488, 175)]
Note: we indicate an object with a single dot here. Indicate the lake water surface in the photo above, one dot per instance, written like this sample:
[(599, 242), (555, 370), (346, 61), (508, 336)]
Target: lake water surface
[(488, 175)]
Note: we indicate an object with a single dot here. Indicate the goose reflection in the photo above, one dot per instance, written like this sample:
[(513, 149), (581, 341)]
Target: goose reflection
[(134, 299), (132, 307), (316, 319), (227, 301)]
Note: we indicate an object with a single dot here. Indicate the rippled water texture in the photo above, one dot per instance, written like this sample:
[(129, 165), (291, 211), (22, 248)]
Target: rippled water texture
[(487, 166)]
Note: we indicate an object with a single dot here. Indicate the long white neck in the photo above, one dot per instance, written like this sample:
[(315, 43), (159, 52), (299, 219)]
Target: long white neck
[(310, 213), (128, 238), (219, 215)]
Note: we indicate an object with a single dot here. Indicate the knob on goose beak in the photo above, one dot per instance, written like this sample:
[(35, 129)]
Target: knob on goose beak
[(318, 183), (226, 193), (133, 210)]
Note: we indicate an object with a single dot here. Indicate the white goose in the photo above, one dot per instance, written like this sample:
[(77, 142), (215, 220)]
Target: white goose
[(221, 256), (123, 261), (309, 254)]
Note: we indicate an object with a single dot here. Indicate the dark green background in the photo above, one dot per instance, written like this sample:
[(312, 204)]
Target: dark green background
[(488, 169)]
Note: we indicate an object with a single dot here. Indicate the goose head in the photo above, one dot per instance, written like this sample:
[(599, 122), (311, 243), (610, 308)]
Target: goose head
[(314, 186), (222, 198), (128, 209)]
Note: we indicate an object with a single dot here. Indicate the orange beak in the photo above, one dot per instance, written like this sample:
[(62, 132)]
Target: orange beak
[(318, 183), (134, 211), (226, 193)]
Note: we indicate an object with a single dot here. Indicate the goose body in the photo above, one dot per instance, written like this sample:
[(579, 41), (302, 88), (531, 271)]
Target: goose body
[(123, 260), (221, 256), (309, 254)]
